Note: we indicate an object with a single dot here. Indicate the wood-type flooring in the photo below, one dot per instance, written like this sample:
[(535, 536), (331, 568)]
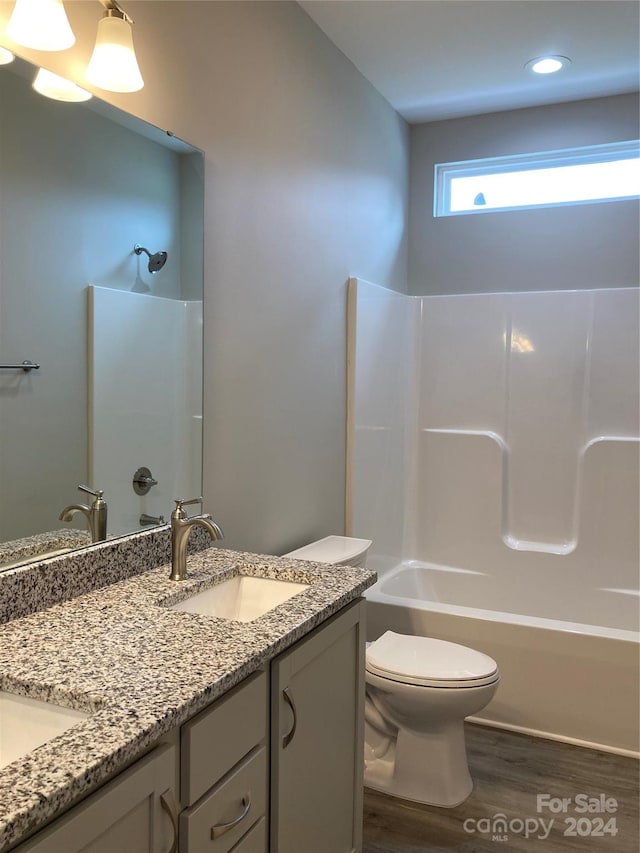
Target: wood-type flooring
[(510, 771)]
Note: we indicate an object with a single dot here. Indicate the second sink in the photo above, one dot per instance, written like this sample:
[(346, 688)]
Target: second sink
[(242, 598), (27, 723)]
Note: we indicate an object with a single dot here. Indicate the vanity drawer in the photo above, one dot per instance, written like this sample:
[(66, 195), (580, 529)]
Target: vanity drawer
[(255, 841), (237, 802), (217, 738)]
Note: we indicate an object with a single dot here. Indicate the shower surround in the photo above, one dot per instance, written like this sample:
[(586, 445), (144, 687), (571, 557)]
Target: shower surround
[(493, 446), (145, 401)]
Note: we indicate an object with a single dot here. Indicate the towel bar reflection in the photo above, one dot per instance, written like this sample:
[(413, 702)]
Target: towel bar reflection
[(26, 365)]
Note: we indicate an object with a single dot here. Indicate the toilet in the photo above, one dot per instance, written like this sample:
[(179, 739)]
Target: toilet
[(339, 550), (418, 692)]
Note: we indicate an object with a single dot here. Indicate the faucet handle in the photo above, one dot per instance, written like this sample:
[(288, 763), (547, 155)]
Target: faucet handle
[(180, 502), (98, 503), (97, 493)]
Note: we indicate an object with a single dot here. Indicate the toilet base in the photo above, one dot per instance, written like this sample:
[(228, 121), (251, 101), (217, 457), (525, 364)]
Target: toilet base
[(424, 767)]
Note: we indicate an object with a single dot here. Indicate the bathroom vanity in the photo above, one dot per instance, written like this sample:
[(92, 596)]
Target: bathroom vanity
[(202, 732)]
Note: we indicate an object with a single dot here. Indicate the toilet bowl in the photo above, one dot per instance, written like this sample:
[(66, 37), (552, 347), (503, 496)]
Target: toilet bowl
[(418, 692)]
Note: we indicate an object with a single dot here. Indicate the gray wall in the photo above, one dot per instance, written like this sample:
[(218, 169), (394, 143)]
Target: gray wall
[(581, 246), (306, 184)]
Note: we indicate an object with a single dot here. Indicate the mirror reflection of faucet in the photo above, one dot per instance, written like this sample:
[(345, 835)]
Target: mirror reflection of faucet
[(96, 513), (181, 527)]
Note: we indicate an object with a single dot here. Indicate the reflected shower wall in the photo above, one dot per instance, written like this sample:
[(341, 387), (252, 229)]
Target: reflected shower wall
[(79, 186), (499, 433), (145, 406)]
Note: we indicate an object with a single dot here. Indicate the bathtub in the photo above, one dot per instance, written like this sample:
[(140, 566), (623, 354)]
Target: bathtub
[(575, 681)]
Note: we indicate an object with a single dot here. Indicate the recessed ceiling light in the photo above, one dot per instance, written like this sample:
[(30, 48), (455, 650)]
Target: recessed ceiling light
[(547, 64), (5, 56)]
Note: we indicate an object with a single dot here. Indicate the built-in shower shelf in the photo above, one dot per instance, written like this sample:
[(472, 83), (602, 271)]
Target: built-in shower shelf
[(539, 547), (512, 541)]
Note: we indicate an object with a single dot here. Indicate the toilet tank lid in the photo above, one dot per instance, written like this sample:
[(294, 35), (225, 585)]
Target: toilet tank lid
[(425, 658), (332, 549)]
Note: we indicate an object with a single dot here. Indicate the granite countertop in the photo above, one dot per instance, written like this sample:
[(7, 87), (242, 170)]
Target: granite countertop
[(141, 669), (36, 547)]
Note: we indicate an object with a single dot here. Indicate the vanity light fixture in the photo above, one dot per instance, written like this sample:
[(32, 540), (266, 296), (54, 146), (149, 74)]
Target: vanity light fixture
[(40, 25), (547, 64), (113, 65), (6, 56), (59, 88)]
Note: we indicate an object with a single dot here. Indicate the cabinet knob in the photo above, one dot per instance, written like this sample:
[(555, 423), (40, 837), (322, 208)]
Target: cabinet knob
[(220, 828)]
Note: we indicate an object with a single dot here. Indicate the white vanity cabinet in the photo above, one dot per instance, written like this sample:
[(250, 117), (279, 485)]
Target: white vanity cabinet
[(136, 811), (317, 729)]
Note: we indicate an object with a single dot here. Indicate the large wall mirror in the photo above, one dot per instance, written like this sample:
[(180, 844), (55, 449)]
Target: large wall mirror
[(116, 402)]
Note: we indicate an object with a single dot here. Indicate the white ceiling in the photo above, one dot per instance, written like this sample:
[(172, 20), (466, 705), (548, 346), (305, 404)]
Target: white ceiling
[(436, 59)]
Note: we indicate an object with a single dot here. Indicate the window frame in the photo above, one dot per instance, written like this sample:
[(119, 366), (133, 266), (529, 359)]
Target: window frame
[(445, 173)]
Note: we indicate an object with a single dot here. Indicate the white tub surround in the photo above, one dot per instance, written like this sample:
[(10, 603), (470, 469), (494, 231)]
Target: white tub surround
[(156, 423), (494, 460)]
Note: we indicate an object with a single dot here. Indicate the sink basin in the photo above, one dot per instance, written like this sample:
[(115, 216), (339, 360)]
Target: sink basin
[(27, 723), (241, 598)]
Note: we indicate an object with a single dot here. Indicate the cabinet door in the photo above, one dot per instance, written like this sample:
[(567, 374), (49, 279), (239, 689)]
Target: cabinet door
[(317, 726), (135, 812)]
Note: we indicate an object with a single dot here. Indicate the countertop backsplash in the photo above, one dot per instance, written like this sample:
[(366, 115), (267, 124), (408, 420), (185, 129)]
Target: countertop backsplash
[(38, 585)]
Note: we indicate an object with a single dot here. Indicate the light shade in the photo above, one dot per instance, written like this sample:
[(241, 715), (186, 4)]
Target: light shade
[(41, 25), (59, 88), (113, 65), (6, 56)]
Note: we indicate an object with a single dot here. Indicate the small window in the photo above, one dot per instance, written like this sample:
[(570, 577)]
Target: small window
[(548, 179)]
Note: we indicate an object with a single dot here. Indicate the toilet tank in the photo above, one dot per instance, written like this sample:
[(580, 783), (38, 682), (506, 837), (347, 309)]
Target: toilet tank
[(339, 550)]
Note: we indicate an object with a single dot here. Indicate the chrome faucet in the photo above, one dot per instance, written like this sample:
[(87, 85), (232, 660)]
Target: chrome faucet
[(181, 527), (96, 513)]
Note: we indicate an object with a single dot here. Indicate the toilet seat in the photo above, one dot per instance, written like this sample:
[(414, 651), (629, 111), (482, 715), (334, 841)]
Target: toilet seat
[(426, 662)]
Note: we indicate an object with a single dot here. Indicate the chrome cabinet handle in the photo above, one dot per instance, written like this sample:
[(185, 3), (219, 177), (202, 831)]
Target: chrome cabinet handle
[(169, 806), (288, 698), (220, 828)]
